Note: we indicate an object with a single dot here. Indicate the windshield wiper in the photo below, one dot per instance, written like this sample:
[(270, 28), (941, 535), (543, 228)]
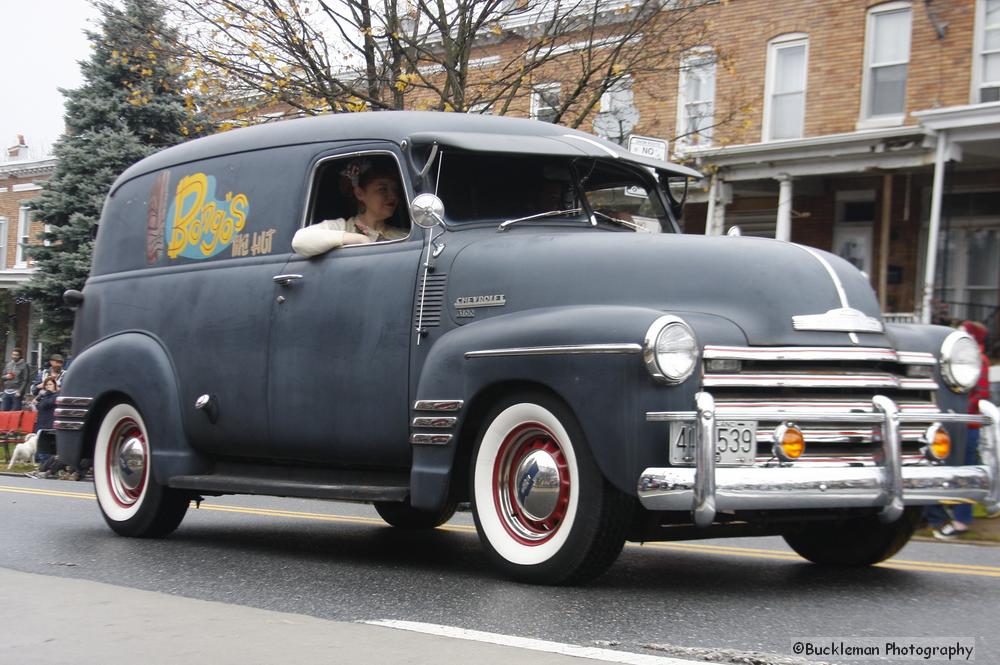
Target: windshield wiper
[(621, 222), (551, 213)]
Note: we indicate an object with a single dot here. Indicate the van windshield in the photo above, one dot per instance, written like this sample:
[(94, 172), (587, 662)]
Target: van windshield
[(495, 188)]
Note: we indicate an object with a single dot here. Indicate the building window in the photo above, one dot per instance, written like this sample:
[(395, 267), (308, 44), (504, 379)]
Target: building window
[(481, 108), (23, 237), (618, 114), (887, 59), (785, 96), (696, 100), (545, 102), (988, 61)]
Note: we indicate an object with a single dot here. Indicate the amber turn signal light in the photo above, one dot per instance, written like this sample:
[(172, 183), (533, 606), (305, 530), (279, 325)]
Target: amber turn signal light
[(938, 443), (789, 444)]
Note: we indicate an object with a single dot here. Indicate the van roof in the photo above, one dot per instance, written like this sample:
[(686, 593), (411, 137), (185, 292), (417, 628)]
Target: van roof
[(458, 130)]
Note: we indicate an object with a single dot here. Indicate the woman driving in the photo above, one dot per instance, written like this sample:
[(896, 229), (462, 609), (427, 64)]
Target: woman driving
[(376, 188)]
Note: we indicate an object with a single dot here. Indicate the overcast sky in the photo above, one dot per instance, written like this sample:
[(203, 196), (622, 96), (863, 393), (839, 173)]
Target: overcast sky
[(42, 43)]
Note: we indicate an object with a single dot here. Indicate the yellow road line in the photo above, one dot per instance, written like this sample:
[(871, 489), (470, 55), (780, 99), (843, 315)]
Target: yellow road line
[(693, 548)]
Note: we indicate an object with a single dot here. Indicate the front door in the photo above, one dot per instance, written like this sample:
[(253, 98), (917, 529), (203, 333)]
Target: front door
[(338, 387)]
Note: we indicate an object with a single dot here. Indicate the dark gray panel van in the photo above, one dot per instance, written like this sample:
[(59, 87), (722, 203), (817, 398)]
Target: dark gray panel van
[(529, 332)]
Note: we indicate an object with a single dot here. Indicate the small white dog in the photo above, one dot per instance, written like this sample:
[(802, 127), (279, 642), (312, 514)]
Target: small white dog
[(25, 452)]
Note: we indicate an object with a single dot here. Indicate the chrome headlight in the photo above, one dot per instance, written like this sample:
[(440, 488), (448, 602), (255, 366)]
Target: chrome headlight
[(960, 362), (670, 349)]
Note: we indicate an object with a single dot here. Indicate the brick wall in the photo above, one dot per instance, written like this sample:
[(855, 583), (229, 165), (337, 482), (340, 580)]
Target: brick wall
[(10, 205)]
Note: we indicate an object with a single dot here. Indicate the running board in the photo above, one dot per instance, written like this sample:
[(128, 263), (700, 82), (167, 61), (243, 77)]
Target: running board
[(345, 487)]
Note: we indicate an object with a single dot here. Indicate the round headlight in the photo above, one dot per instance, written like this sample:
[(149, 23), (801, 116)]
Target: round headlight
[(960, 363), (670, 349)]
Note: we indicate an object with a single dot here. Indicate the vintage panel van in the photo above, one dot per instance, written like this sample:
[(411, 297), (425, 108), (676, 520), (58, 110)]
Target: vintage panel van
[(536, 337)]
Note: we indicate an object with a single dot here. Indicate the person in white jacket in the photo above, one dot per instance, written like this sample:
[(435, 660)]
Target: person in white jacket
[(377, 190)]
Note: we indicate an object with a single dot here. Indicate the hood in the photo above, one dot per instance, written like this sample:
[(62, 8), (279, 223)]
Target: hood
[(756, 283)]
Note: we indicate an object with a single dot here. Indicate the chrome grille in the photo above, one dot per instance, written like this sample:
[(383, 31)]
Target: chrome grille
[(811, 380)]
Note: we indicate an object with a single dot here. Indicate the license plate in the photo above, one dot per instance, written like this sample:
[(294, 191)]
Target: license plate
[(735, 444)]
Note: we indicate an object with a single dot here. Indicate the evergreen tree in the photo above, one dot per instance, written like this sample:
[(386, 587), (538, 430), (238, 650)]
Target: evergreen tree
[(134, 101)]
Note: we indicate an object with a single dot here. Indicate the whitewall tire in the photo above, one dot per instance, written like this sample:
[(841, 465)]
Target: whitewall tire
[(542, 508), (132, 502)]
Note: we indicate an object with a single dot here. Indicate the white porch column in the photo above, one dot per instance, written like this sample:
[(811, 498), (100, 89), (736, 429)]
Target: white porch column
[(783, 231), (937, 191), (713, 190), (715, 216)]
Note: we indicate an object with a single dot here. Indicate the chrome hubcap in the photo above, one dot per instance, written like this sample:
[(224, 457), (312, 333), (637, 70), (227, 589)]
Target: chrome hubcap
[(131, 466), (537, 485), (127, 461), (531, 484)]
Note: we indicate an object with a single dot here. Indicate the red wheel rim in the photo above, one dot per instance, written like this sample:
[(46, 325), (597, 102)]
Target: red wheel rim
[(509, 486), (126, 462)]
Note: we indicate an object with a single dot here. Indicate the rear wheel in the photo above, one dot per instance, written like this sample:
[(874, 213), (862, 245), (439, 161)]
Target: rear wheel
[(132, 502), (860, 541), (404, 516), (543, 510)]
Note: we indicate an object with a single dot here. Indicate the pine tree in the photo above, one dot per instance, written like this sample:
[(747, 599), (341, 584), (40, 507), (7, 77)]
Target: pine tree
[(133, 101)]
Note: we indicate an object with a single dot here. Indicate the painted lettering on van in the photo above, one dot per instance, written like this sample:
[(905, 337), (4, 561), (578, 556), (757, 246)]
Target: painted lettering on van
[(201, 226)]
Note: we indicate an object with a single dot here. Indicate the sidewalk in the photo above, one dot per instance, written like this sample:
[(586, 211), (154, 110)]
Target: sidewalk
[(57, 620)]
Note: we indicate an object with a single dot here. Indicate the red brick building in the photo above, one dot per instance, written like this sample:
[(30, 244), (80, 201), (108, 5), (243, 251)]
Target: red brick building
[(21, 179), (871, 129)]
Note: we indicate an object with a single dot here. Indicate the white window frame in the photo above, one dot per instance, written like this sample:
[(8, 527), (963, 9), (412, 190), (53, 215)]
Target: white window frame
[(481, 108), (3, 243), (536, 98), (23, 236), (792, 40), (700, 57), (868, 121), (979, 56)]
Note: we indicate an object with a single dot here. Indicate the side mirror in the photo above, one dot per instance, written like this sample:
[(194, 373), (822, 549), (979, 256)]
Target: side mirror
[(427, 211)]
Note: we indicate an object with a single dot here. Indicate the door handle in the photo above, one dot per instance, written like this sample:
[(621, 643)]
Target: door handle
[(285, 280)]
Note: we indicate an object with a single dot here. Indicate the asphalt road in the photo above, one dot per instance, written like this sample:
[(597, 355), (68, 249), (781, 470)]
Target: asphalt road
[(338, 561)]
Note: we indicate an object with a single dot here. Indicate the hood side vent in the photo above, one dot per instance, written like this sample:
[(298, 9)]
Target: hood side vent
[(431, 297)]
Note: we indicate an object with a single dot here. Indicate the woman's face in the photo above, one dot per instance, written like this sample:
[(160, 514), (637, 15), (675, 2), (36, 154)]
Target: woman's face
[(380, 196), (51, 386)]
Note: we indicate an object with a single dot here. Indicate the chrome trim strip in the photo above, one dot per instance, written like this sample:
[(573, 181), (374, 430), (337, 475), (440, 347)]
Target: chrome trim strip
[(703, 505), (73, 401), (430, 439), (70, 413), (67, 425), (817, 353), (569, 349), (881, 380), (438, 405), (441, 422), (801, 486), (916, 358)]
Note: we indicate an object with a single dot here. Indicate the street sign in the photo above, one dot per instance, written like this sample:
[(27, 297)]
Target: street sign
[(648, 147)]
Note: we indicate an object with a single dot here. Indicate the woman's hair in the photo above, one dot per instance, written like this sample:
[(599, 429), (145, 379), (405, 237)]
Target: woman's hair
[(49, 380), (382, 168)]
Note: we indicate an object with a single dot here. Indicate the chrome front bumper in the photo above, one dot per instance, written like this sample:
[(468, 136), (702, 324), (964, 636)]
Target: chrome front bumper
[(706, 489)]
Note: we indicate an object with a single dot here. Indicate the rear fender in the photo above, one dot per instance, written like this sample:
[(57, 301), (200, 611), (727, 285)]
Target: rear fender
[(130, 366)]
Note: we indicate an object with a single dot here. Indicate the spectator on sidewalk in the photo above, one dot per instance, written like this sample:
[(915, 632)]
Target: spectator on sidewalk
[(55, 370), (15, 382), (947, 527)]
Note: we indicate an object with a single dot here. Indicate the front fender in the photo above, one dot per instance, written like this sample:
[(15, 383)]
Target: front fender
[(608, 391), (131, 366)]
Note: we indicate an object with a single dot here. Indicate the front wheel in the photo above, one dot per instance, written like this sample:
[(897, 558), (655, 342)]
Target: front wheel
[(132, 502), (543, 510), (860, 541)]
